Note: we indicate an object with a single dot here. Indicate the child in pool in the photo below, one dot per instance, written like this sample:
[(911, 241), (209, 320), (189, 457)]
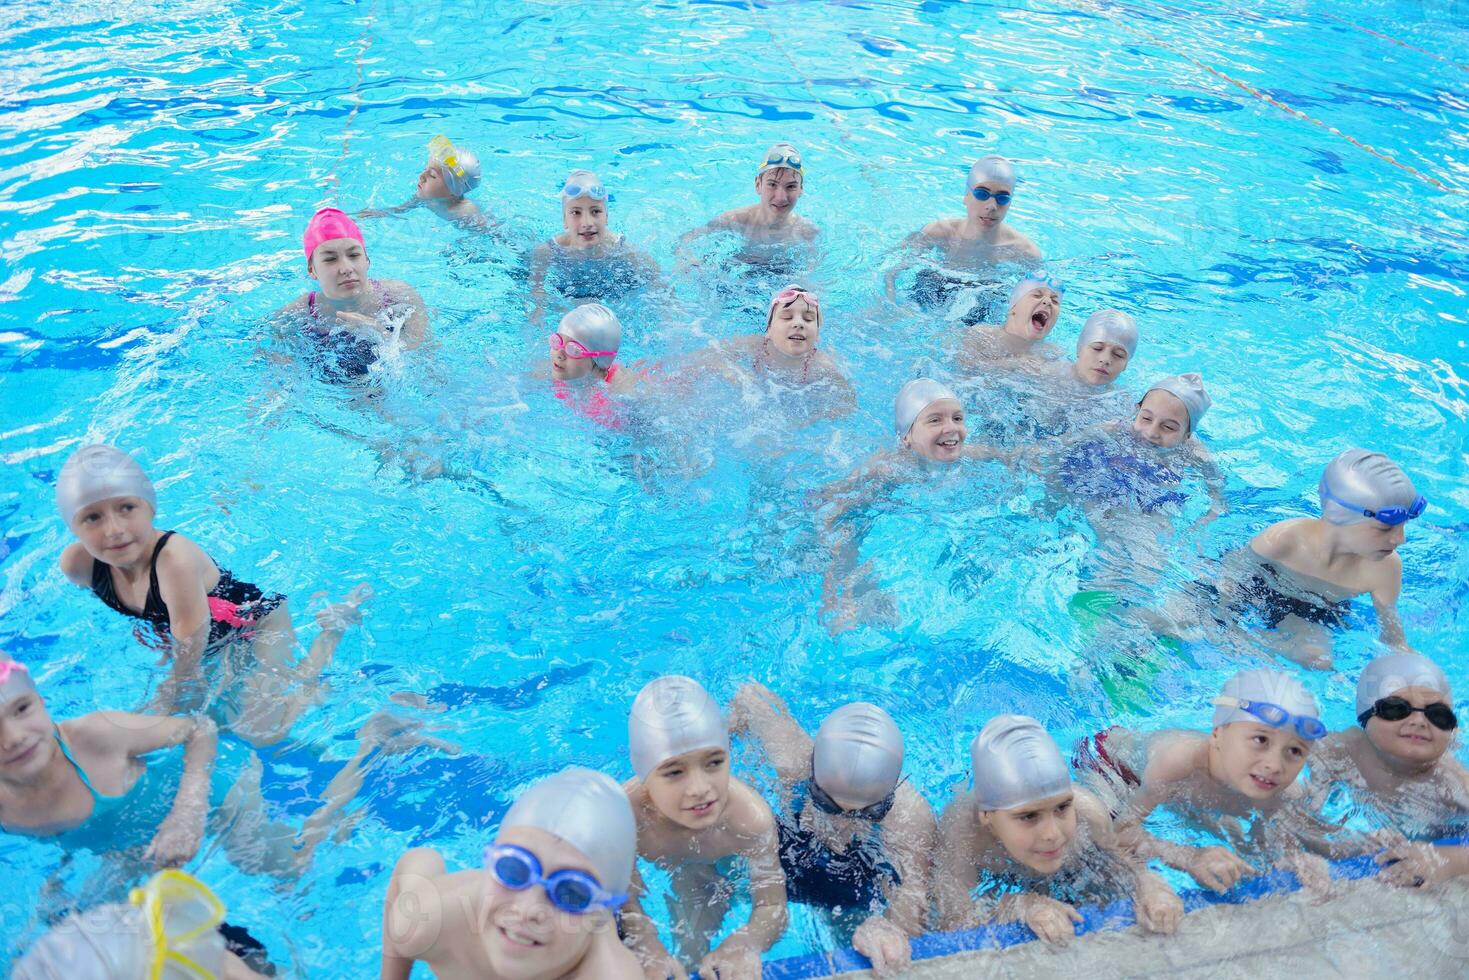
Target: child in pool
[(352, 316), (1105, 347), (1302, 573), (1018, 344), (974, 243), (586, 261), (1264, 727), (1397, 766), (542, 907), (779, 181), (691, 814), (1025, 835), (196, 608), (450, 174), (855, 837)]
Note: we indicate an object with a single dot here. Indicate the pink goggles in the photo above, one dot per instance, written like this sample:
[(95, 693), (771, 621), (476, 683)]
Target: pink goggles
[(575, 349), (792, 293), (15, 676)]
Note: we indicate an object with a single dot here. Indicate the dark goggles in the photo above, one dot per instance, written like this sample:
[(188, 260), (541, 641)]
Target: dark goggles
[(1002, 198), (873, 812), (569, 890), (1439, 715)]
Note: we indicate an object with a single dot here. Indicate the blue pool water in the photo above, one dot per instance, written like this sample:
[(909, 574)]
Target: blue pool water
[(1279, 193)]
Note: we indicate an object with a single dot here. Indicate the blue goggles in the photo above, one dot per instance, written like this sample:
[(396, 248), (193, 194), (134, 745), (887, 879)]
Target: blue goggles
[(569, 890), (791, 160), (1002, 198), (1275, 716), (571, 191), (1391, 516)]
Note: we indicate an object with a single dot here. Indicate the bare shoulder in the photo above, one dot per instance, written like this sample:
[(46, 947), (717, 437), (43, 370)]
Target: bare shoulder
[(913, 807), (749, 814), (1091, 809), (76, 563), (1280, 540), (735, 217), (958, 819), (180, 556), (942, 230), (1173, 756)]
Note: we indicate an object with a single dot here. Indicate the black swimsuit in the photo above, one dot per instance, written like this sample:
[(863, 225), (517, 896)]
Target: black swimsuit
[(234, 606), (1264, 593), (817, 875)]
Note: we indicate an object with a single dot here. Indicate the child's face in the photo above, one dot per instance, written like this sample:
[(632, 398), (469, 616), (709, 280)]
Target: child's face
[(26, 744), (1412, 739), (939, 431), (431, 183), (1036, 834), (1371, 540), (564, 367), (691, 789), (340, 266), (795, 328), (1255, 759), (1034, 314), (991, 213), (1101, 362), (526, 937), (115, 530), (779, 189), (585, 220), (1162, 420)]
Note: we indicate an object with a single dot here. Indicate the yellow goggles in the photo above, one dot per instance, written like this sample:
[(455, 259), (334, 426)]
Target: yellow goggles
[(442, 151), (170, 891)]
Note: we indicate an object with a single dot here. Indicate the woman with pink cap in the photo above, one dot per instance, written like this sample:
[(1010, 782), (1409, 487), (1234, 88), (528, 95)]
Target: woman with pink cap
[(351, 316)]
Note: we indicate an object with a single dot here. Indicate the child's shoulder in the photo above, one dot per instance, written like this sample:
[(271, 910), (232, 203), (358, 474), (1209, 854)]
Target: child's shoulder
[(1282, 539), (1173, 755), (76, 563), (748, 812), (943, 229)]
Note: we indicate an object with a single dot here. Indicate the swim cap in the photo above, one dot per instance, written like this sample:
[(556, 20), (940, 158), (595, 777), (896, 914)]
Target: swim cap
[(990, 170), (1034, 282), (583, 183), (1016, 762), (1113, 326), (328, 224), (587, 810), (858, 754), (1270, 686), (15, 679), (1189, 389), (1391, 673), (1368, 480), (459, 168), (169, 929), (914, 397), (781, 155), (672, 715), (596, 327), (96, 473)]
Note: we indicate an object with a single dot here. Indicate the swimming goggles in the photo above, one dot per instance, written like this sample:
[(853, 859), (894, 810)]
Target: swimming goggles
[(570, 890), (442, 152), (1391, 516), (1002, 198), (576, 349), (1394, 708), (873, 811), (791, 160), (1275, 716), (9, 667), (788, 296), (571, 191), (179, 910)]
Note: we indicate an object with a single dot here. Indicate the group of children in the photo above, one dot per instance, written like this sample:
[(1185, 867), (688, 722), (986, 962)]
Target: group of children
[(561, 893)]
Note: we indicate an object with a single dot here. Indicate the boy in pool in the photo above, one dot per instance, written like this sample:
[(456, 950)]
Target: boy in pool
[(779, 181), (1397, 766), (1036, 845), (855, 837), (691, 817), (352, 317), (1264, 727), (1302, 573), (450, 174), (542, 907), (195, 608), (586, 261), (972, 244), (1105, 347), (1018, 344)]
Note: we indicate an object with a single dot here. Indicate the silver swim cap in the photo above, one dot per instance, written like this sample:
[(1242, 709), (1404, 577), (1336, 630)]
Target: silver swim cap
[(913, 398), (672, 715), (458, 166), (1391, 673), (1024, 286), (990, 170), (583, 183), (858, 754), (595, 327), (1016, 762), (1113, 326), (1270, 686), (15, 679), (97, 473), (1189, 389), (1365, 480), (589, 811)]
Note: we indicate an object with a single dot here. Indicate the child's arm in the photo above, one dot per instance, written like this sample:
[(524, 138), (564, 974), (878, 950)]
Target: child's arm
[(1214, 481), (76, 564), (181, 587), (759, 712), (415, 330), (910, 837), (642, 935), (1158, 908), (394, 209), (1385, 594), (738, 957), (906, 250), (540, 261), (681, 250), (956, 872), (1052, 921), (413, 913)]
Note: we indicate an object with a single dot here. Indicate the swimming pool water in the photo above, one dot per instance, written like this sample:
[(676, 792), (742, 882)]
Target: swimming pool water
[(1279, 193)]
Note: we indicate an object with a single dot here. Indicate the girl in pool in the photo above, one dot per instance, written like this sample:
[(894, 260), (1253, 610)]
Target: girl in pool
[(193, 607), (352, 317), (1034, 845), (586, 261), (691, 817), (1018, 344), (443, 185), (1104, 349), (856, 838)]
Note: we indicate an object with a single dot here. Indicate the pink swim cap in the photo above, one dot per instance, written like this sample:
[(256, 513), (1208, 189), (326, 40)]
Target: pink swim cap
[(329, 223)]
